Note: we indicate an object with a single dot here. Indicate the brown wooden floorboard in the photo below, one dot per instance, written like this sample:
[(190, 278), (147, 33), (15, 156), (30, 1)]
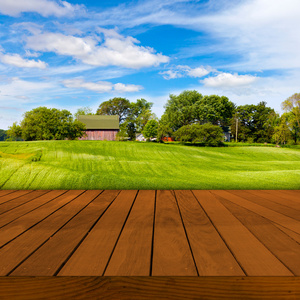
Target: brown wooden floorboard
[(11, 196), (171, 251), (240, 240), (149, 233), (92, 256), (211, 254), (20, 211), (147, 287), (7, 206), (132, 255)]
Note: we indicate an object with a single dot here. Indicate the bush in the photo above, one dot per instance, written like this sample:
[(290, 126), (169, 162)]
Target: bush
[(207, 134)]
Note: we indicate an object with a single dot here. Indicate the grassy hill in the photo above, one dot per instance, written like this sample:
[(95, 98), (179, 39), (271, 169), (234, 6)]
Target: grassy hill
[(131, 165)]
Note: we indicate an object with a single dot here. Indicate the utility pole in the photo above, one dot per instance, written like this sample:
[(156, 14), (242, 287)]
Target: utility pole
[(236, 128)]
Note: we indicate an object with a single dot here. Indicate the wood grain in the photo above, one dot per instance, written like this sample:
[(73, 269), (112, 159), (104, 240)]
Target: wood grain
[(91, 257), (274, 216), (14, 195), (211, 254), (251, 254), (280, 244), (171, 251), (53, 254), (142, 287), (20, 225), (132, 255), (286, 199), (19, 211), (14, 253)]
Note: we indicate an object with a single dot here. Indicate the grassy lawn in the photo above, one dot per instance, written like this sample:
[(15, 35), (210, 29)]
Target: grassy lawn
[(132, 165)]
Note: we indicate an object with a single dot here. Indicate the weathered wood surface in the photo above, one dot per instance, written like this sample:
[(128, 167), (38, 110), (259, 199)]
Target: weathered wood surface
[(158, 235), (146, 287)]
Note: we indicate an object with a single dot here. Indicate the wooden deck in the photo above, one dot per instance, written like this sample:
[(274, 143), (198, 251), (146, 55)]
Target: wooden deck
[(158, 234)]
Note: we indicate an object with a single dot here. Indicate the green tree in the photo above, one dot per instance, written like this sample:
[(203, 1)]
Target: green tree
[(281, 133), (150, 129), (83, 111), (140, 113), (255, 122), (14, 132), (215, 110), (3, 135), (181, 110), (115, 106), (207, 134), (44, 123), (292, 106)]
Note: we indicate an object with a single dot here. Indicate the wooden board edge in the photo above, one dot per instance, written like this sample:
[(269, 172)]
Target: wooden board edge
[(146, 287)]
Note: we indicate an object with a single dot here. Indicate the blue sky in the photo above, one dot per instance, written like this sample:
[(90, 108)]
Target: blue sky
[(71, 54)]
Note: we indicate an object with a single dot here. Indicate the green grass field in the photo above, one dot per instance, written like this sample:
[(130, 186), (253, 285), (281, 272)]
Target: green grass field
[(133, 165)]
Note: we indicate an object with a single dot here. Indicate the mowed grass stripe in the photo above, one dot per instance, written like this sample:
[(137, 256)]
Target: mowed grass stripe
[(133, 165)]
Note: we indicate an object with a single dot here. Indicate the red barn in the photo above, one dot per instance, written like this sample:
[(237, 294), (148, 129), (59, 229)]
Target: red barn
[(100, 127)]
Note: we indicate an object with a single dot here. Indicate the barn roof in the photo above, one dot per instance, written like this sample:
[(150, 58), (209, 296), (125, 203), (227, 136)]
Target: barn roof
[(99, 121)]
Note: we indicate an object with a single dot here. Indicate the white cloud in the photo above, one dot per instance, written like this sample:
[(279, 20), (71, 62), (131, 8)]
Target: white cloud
[(43, 7), (17, 61), (198, 72), (101, 86), (186, 71), (121, 87), (115, 50), (228, 80), (171, 74)]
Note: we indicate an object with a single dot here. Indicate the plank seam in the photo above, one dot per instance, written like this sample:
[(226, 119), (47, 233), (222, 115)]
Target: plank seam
[(83, 238), (34, 208), (52, 234), (152, 243), (120, 233), (16, 197), (41, 220), (1, 213), (186, 234), (253, 232), (230, 250)]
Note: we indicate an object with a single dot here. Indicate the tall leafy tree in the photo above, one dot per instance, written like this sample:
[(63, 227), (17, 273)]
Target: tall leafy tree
[(115, 106), (292, 106), (150, 129), (140, 113), (181, 110), (83, 111), (44, 123)]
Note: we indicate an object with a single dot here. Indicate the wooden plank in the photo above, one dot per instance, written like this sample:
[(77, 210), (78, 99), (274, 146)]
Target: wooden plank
[(283, 199), (7, 206), (14, 253), (252, 255), (287, 194), (142, 287), (91, 257), (132, 255), (13, 195), (280, 244), (171, 252), (19, 211), (17, 227), (48, 259), (211, 254), (260, 200), (290, 233), (5, 192), (274, 216)]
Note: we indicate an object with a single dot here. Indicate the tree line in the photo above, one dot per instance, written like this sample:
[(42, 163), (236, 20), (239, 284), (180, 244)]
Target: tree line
[(188, 117)]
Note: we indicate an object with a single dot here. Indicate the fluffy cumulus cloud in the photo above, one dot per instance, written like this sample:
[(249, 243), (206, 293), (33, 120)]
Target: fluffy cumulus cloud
[(186, 71), (228, 80), (101, 86), (43, 7), (115, 50), (17, 61)]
